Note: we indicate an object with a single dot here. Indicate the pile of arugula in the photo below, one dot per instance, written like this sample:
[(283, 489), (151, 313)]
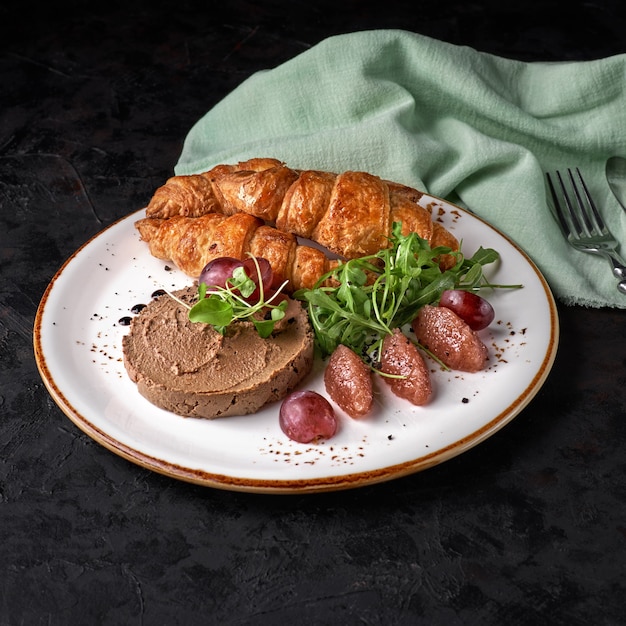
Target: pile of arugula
[(362, 300)]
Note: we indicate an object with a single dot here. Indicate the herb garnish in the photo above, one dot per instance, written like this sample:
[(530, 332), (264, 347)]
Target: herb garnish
[(228, 304), (370, 296)]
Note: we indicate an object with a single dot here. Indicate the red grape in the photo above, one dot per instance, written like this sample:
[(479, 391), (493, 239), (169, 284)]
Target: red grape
[(473, 309), (218, 271), (306, 416)]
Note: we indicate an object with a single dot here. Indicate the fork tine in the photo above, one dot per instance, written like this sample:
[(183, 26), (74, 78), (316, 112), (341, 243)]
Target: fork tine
[(556, 203), (567, 220), (593, 219), (570, 205)]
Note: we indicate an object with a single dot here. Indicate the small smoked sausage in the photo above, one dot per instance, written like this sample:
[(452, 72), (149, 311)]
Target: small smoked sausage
[(401, 357), (450, 339), (349, 382)]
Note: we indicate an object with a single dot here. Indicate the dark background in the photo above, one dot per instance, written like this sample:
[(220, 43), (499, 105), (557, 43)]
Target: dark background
[(527, 528)]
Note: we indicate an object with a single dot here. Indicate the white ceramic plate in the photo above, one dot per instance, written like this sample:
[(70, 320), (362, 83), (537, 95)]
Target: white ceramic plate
[(77, 341)]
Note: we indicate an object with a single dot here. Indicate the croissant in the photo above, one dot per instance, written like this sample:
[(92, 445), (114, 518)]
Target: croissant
[(351, 213), (191, 242)]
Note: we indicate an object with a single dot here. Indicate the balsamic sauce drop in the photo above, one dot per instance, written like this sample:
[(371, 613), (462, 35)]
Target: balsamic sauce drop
[(138, 308)]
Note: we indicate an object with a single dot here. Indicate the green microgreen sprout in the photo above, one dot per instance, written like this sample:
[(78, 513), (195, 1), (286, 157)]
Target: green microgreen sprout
[(226, 305)]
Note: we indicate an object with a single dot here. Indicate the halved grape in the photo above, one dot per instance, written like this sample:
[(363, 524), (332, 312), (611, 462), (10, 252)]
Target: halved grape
[(218, 271), (473, 309), (306, 416)]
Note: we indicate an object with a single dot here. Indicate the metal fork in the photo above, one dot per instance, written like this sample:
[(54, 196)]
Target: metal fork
[(582, 224)]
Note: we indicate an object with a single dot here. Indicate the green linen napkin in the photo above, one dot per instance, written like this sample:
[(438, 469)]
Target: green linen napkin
[(476, 129)]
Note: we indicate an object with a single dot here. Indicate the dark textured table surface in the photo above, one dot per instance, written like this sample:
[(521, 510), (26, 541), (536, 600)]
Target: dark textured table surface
[(527, 528)]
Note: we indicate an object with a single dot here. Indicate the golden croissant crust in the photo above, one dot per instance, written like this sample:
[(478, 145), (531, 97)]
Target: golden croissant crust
[(191, 242), (350, 214)]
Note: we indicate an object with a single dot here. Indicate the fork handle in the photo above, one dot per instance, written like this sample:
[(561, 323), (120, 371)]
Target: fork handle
[(617, 263), (619, 267)]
